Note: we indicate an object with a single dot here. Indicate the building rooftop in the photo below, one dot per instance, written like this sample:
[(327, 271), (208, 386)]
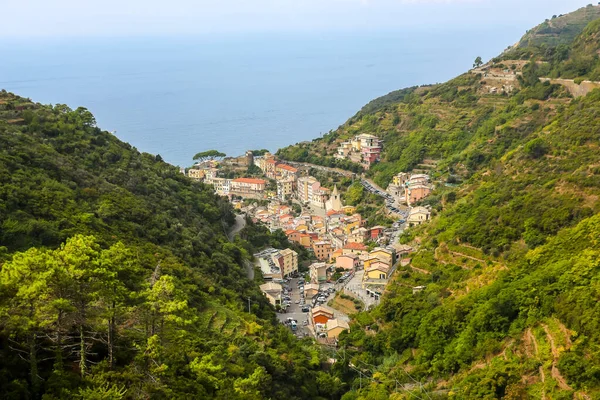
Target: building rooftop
[(250, 180), (323, 309), (355, 246), (337, 323), (270, 287), (418, 210), (287, 167)]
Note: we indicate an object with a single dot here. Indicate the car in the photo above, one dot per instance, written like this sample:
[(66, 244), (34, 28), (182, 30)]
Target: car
[(297, 301)]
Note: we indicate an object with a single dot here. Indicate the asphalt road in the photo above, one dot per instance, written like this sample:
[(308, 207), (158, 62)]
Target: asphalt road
[(240, 223), (295, 311)]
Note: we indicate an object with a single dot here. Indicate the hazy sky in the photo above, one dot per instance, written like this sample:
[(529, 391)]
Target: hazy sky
[(49, 18)]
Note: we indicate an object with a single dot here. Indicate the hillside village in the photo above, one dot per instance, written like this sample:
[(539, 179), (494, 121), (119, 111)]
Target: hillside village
[(350, 257)]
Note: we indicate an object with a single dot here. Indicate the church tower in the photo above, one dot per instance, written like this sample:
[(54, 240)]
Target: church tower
[(335, 201)]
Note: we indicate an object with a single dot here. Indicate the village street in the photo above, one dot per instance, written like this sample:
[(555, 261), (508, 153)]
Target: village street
[(354, 285), (295, 311)]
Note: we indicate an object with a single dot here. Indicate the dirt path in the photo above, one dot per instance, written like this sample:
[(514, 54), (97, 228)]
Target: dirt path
[(423, 271), (456, 253), (555, 353), (576, 90), (529, 341), (562, 383), (567, 334)]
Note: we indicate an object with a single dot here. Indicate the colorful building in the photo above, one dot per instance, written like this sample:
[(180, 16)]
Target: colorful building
[(349, 262)]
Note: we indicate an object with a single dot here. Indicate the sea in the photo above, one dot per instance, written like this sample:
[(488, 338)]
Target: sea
[(177, 96)]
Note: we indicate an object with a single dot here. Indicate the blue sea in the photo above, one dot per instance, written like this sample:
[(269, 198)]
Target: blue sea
[(178, 96)]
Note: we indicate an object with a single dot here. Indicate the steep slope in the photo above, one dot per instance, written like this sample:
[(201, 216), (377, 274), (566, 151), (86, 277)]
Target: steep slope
[(117, 279), (509, 261), (561, 29)]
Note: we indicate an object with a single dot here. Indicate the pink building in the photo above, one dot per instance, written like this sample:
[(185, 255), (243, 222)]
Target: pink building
[(416, 193), (348, 261)]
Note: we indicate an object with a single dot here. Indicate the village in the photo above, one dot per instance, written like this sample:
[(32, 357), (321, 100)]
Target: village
[(351, 261)]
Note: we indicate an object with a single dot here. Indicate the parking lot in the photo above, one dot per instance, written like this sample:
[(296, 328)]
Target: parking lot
[(355, 286), (294, 311), (390, 202)]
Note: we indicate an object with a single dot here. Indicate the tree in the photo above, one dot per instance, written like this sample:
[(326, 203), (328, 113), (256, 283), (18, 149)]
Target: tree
[(478, 62), (208, 155)]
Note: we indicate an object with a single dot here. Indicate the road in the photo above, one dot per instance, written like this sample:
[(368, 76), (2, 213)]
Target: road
[(355, 286), (239, 224), (390, 202), (338, 171), (295, 310)]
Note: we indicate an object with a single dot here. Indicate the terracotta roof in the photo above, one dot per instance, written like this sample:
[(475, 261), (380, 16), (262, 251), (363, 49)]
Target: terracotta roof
[(290, 231), (250, 180), (336, 253), (332, 212), (355, 246), (287, 167)]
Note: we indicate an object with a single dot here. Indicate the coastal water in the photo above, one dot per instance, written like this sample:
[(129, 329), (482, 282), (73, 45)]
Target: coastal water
[(176, 97)]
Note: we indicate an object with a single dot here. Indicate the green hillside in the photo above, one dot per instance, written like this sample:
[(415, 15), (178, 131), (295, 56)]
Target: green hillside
[(510, 258), (117, 279), (560, 29)]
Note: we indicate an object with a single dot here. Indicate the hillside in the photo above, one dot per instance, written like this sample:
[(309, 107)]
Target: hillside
[(117, 279), (509, 260), (560, 29)]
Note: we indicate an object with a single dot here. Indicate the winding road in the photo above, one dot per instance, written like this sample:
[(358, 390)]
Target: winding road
[(240, 223)]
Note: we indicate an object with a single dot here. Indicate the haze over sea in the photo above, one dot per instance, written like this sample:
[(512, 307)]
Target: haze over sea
[(176, 97)]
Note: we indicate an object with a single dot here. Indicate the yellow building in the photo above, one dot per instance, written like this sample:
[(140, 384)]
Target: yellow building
[(377, 270), (290, 261), (336, 326), (350, 226), (272, 291), (305, 240), (383, 255), (302, 228), (348, 210), (196, 174)]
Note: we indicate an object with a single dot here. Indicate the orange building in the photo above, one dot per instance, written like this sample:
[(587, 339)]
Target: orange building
[(322, 314)]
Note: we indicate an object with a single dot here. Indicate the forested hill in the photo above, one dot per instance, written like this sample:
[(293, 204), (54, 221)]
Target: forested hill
[(117, 279), (509, 262)]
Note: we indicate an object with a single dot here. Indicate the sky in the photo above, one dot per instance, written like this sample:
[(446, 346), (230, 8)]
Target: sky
[(99, 18)]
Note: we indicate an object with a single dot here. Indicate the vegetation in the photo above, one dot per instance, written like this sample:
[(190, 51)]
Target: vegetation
[(508, 265), (208, 155), (117, 279)]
